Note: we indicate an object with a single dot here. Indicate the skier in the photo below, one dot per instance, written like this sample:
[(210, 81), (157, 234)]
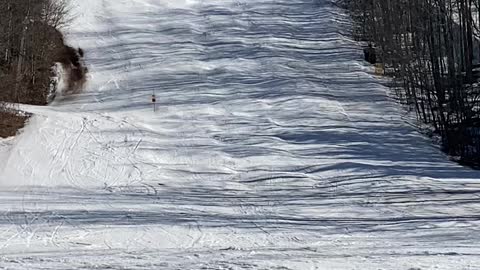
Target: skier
[(370, 55)]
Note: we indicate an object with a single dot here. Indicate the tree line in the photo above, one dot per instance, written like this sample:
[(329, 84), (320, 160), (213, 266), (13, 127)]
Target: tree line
[(30, 45), (431, 49)]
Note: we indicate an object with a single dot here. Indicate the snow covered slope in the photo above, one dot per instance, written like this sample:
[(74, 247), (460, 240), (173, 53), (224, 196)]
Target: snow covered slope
[(272, 147)]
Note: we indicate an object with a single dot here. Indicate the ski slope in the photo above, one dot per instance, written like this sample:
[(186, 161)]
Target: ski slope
[(272, 147)]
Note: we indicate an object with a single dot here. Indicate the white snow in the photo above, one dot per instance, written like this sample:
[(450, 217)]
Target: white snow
[(273, 147)]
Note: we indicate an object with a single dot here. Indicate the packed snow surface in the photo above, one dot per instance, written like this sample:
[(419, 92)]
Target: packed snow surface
[(272, 147)]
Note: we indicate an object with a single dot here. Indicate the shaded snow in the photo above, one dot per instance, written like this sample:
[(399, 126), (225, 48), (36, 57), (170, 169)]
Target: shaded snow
[(273, 147)]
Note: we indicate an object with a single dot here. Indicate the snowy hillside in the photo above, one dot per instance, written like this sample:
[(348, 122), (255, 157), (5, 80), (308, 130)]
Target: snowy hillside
[(272, 147)]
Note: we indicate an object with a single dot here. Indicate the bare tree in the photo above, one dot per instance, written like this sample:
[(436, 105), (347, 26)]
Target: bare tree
[(31, 45), (431, 47)]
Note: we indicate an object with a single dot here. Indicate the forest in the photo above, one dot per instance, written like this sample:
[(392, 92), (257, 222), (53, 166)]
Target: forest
[(30, 46), (430, 49)]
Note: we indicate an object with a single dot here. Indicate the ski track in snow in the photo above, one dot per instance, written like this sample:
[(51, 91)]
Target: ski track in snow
[(273, 147)]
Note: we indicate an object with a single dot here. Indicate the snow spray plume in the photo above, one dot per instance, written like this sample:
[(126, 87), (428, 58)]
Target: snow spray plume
[(74, 67)]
